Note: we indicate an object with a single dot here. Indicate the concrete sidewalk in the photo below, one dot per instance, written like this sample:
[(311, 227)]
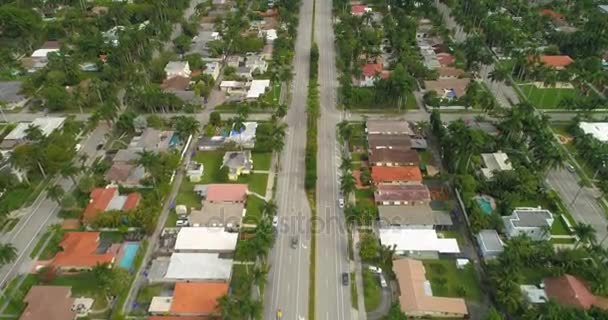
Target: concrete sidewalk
[(358, 278)]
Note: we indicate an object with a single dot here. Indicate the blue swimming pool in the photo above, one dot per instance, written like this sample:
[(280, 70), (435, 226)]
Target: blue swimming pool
[(485, 205), (130, 250)]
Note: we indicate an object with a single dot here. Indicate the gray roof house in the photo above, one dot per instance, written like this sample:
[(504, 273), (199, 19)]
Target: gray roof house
[(489, 242), (412, 217), (533, 222), (238, 162), (10, 95), (493, 162)]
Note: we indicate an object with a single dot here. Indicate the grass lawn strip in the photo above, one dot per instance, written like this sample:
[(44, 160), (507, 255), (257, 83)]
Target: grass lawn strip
[(256, 182), (547, 98), (353, 291), (449, 281), (261, 160), (145, 294), (372, 292), (15, 304), (254, 209)]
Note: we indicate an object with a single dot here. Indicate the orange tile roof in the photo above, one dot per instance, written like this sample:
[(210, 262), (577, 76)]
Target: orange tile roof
[(49, 303), (370, 70), (572, 291), (100, 198), (556, 61), (132, 201), (553, 14), (197, 297), (391, 174), (79, 250), (226, 192)]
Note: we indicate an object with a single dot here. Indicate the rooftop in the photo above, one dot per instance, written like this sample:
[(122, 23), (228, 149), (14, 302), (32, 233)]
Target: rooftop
[(177, 83), (405, 192), (490, 241), (49, 303), (450, 72), (391, 174), (105, 199), (412, 215), (198, 266), (458, 86), (46, 125), (10, 91), (394, 156), (572, 291), (80, 249), (388, 127), (258, 88), (406, 240), (530, 218), (414, 297), (498, 161), (197, 298), (209, 239), (236, 160), (221, 214), (228, 192), (402, 142), (598, 130), (372, 69), (556, 61)]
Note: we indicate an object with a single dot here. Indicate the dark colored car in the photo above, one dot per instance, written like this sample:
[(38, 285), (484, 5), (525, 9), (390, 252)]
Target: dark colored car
[(345, 278), (294, 242)]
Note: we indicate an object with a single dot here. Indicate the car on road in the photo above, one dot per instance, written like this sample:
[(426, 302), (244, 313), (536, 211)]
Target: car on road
[(570, 167), (275, 221), (383, 283), (341, 203), (294, 242), (344, 278), (375, 269), (77, 147)]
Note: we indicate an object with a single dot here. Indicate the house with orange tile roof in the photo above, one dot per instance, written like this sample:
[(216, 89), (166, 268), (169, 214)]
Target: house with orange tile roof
[(49, 303), (370, 72), (556, 62), (190, 299), (415, 300), (400, 195), (396, 175), (360, 9), (82, 251), (573, 291), (226, 192), (108, 198)]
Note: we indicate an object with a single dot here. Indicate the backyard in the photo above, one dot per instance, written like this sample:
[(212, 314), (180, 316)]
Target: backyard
[(83, 284), (449, 281), (546, 98), (372, 292), (365, 99)]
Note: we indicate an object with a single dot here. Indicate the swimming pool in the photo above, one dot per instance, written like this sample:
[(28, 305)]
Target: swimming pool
[(130, 250), (485, 205)]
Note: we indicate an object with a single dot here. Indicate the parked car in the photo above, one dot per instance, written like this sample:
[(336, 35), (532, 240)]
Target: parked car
[(341, 203), (375, 269), (345, 278), (77, 147), (275, 221), (294, 242), (383, 283), (570, 167), (182, 223)]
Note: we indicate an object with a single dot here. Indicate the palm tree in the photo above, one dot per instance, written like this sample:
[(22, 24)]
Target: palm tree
[(270, 208), (33, 133), (55, 193), (346, 165), (8, 253), (227, 306), (252, 309), (347, 184), (258, 276), (345, 131), (186, 126), (585, 233), (68, 170)]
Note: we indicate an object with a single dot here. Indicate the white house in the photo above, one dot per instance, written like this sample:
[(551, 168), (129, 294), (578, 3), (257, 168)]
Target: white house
[(196, 267), (178, 69), (256, 63), (417, 242), (195, 171), (205, 239), (271, 35), (490, 244), (257, 88), (18, 135), (598, 130), (246, 136), (493, 162), (212, 69), (533, 222)]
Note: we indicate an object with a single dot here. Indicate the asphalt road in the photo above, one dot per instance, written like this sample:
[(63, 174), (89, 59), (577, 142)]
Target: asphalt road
[(332, 297), (288, 281), (43, 213)]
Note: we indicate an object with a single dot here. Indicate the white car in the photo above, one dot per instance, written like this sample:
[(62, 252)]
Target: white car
[(77, 147), (383, 283), (341, 203), (182, 223), (275, 221), (375, 269)]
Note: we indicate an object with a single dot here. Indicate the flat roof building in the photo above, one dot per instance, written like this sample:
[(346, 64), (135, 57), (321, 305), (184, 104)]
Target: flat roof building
[(490, 244), (494, 162), (198, 267), (205, 239), (417, 241), (598, 130)]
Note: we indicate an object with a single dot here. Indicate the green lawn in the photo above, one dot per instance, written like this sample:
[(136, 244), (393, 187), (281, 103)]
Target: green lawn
[(171, 219), (239, 278), (358, 137), (372, 292), (353, 291), (212, 161), (83, 284), (356, 157), (16, 305), (113, 236), (369, 100), (364, 195), (546, 98), (449, 281), (186, 195), (256, 182), (242, 253), (559, 227), (454, 235), (426, 157), (39, 244), (254, 209), (145, 294), (261, 160)]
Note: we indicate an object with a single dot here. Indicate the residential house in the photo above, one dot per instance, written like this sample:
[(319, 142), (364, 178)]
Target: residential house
[(212, 69), (557, 62), (599, 130), (112, 36), (448, 89), (573, 292), (534, 222), (388, 127), (429, 57), (603, 8), (394, 142), (396, 175), (210, 143), (533, 294), (83, 251), (106, 199), (557, 19), (244, 137), (360, 9), (393, 157), (415, 296), (219, 214), (270, 35), (490, 244), (49, 303), (180, 87), (412, 217), (205, 239), (238, 163), (371, 72), (19, 134), (194, 171), (256, 63), (422, 243), (407, 194), (190, 299), (234, 61), (234, 87), (178, 69), (11, 96), (450, 73), (244, 73), (222, 193), (40, 57), (191, 267), (445, 59), (257, 88), (494, 162)]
